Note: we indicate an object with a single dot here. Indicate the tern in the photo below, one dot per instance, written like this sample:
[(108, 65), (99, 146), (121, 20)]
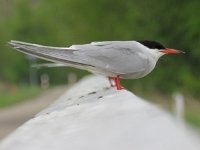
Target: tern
[(113, 59)]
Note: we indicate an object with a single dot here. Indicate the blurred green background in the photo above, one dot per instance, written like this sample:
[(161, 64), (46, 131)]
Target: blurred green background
[(176, 24)]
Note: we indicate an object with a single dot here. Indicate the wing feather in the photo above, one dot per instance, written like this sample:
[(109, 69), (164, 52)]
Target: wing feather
[(54, 54), (119, 57)]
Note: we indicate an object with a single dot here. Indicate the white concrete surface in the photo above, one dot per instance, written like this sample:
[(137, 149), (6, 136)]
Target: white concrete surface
[(92, 117)]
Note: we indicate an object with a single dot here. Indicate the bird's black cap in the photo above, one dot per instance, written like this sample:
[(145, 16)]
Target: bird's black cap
[(151, 44)]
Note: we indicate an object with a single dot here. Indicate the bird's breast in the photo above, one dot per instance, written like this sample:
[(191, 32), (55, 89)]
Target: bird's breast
[(147, 66)]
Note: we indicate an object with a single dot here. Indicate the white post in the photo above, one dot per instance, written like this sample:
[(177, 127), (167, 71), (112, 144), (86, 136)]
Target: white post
[(179, 107), (71, 78), (44, 81)]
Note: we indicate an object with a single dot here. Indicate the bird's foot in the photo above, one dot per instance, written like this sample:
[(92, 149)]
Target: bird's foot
[(117, 84)]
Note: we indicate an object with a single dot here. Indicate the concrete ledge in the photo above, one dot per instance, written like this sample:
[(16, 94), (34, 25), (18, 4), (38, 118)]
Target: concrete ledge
[(91, 116)]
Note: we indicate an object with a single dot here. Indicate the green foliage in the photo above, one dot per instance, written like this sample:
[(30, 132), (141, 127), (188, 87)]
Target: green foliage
[(66, 22), (193, 118), (17, 94)]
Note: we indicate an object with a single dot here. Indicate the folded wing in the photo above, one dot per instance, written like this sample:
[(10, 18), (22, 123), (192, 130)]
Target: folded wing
[(119, 57)]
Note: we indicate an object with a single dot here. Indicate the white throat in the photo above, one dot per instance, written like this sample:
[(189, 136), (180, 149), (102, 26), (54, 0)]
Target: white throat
[(155, 54)]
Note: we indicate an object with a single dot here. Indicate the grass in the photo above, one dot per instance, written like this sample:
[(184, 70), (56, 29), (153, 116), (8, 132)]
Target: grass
[(192, 112), (17, 94), (193, 118)]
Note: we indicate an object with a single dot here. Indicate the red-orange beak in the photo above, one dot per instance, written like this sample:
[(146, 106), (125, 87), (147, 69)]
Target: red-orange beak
[(171, 51)]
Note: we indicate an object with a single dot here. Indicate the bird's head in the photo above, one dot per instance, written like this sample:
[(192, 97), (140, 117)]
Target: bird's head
[(158, 49)]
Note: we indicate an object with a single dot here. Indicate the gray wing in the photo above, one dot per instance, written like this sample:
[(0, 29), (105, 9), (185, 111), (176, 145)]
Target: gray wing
[(48, 65), (119, 57), (55, 54)]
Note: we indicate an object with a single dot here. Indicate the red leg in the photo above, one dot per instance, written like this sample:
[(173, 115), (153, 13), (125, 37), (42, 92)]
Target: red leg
[(117, 83)]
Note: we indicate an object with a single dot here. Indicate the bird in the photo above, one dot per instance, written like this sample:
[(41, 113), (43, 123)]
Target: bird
[(113, 59)]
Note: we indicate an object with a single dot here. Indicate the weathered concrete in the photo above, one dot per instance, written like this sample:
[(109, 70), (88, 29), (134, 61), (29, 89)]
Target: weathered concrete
[(91, 116)]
